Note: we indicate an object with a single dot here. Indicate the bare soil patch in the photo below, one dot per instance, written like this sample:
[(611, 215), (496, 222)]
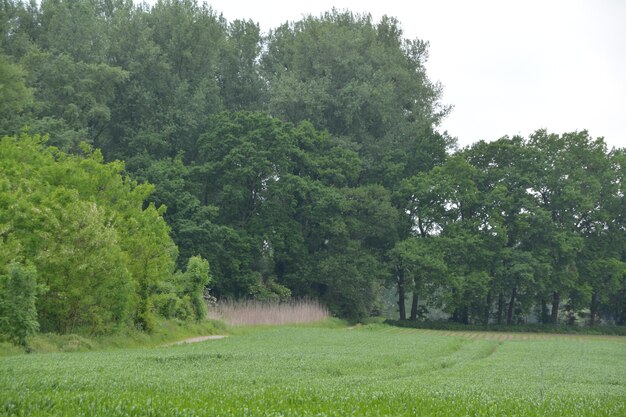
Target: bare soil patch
[(195, 340)]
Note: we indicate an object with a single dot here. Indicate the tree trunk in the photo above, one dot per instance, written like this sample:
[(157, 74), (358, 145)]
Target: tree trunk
[(456, 315), (500, 307), (487, 309), (509, 313), (593, 310), (414, 303), (545, 318), (465, 315), (556, 300), (620, 309), (401, 304)]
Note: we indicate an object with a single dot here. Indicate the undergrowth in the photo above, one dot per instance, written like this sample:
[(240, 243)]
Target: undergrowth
[(166, 331)]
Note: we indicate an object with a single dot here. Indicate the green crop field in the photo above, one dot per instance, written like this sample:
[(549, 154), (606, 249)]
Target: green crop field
[(314, 371)]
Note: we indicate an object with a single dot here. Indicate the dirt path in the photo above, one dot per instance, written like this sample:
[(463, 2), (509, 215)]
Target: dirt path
[(194, 340)]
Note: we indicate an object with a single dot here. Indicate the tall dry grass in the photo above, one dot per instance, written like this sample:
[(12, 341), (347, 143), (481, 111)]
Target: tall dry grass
[(251, 312)]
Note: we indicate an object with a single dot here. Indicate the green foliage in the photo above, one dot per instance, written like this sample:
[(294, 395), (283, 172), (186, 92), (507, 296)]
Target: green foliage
[(241, 85), (269, 204), (170, 305), (98, 252), (361, 80), (422, 264), (18, 295), (63, 22), (184, 296), (274, 185), (192, 284), (172, 52), (83, 268), (14, 96), (521, 223), (73, 98), (269, 291)]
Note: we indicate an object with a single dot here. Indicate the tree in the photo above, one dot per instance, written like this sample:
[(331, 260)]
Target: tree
[(172, 52), (601, 260), (19, 26), (422, 268), (567, 179), (507, 206), (18, 296), (467, 234), (73, 99), (83, 269), (241, 84), (14, 96), (63, 22), (364, 83), (193, 283), (422, 200), (361, 81), (616, 304), (98, 252)]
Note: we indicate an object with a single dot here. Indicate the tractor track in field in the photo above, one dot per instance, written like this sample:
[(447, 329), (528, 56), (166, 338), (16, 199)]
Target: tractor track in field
[(196, 339), (507, 336)]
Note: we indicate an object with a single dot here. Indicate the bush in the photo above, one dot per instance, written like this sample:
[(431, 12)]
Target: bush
[(166, 305), (18, 295), (192, 284), (146, 320)]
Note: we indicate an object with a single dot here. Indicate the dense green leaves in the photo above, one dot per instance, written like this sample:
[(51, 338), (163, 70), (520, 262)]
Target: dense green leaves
[(524, 223), (193, 283), (18, 295), (98, 253), (360, 80), (14, 95)]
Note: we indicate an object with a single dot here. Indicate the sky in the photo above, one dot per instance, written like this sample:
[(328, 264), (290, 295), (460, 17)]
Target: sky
[(506, 67)]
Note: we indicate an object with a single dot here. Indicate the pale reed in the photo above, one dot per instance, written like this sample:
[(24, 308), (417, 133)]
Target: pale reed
[(252, 312)]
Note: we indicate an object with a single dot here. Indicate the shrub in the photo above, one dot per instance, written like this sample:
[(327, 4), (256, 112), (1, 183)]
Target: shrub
[(18, 295)]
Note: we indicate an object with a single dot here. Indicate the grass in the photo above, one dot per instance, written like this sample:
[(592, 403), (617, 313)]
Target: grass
[(252, 312), (166, 331), (370, 370)]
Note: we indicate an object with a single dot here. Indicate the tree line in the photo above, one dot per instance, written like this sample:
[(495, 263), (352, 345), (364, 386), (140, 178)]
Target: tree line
[(517, 224), (80, 251), (304, 162)]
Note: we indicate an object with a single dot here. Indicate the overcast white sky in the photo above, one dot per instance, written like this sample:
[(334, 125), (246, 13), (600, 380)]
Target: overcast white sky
[(507, 67)]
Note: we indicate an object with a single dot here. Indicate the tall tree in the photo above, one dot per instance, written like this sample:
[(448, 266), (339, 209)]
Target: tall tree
[(240, 81), (507, 207), (362, 81), (567, 187)]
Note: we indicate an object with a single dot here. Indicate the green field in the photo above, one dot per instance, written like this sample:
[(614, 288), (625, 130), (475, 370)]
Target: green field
[(315, 371)]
